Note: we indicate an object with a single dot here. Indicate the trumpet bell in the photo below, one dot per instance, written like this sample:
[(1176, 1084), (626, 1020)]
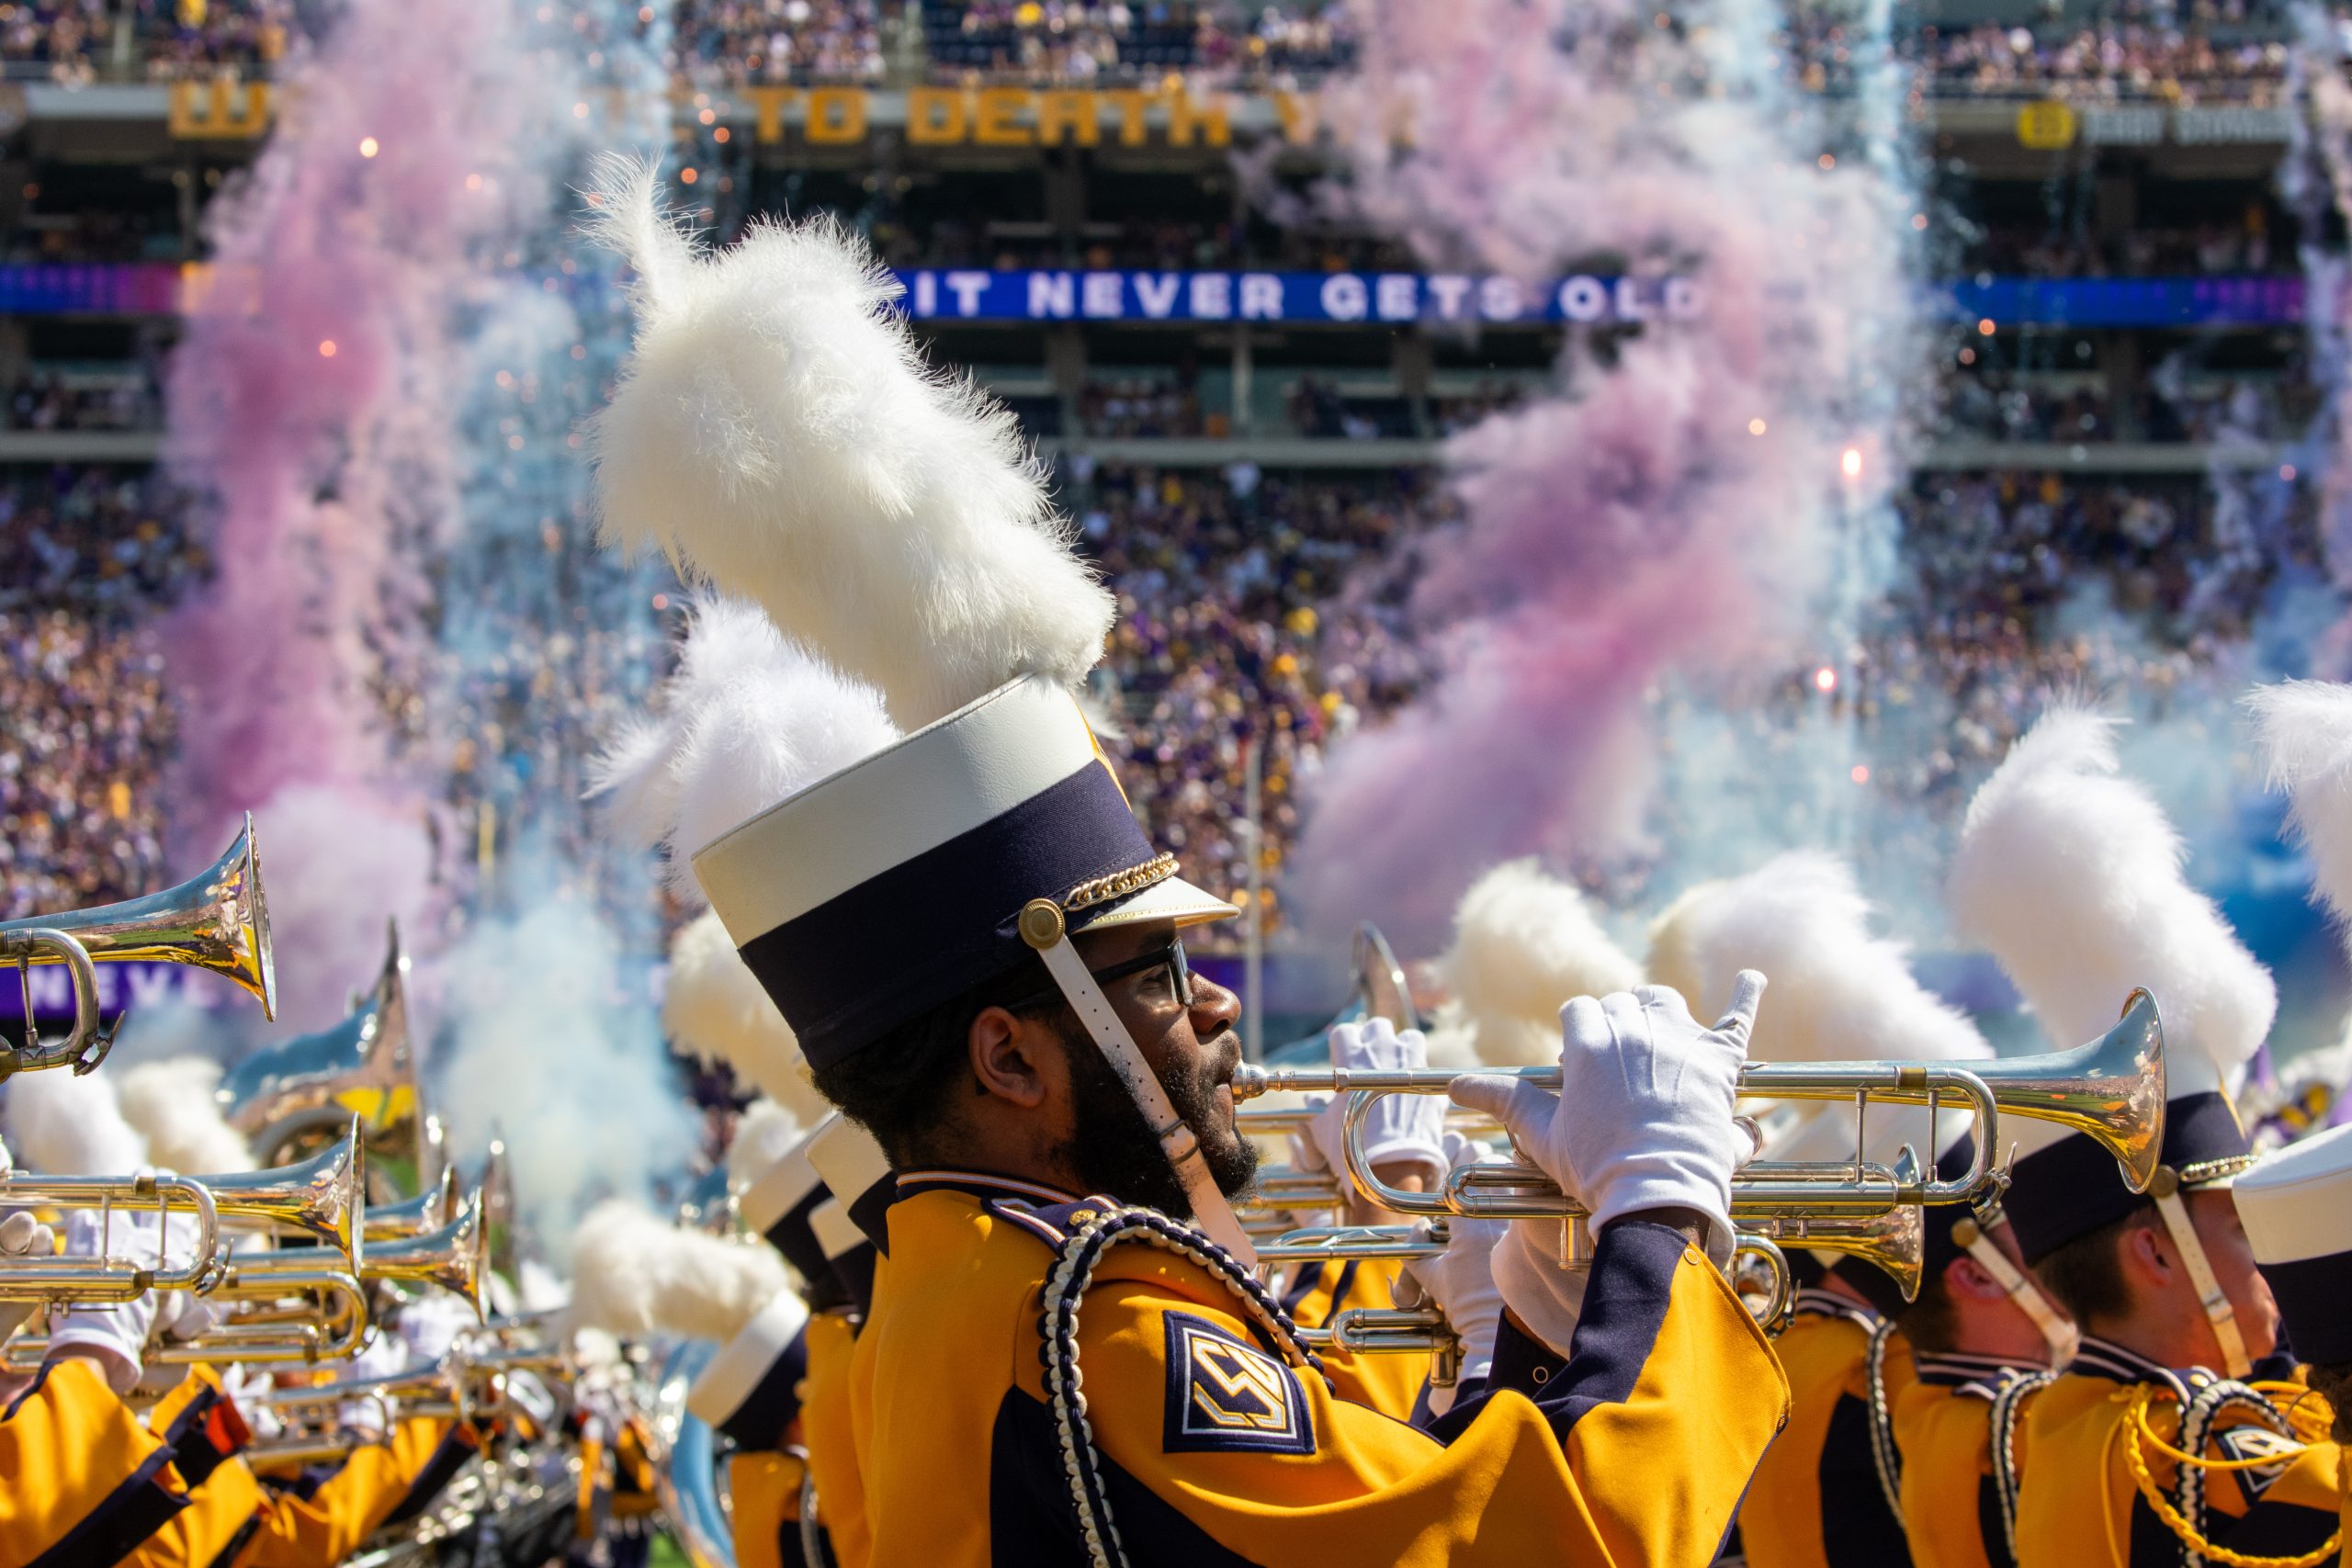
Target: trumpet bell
[(325, 1196), (216, 920), (1895, 1242), (455, 1257), (428, 1210), (2111, 1089)]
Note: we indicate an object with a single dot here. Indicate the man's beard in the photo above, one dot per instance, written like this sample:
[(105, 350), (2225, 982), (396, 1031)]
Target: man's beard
[(1112, 1147)]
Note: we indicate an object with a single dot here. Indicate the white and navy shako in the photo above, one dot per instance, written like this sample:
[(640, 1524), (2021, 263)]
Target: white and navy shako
[(2063, 1185), (2296, 1206), (897, 884)]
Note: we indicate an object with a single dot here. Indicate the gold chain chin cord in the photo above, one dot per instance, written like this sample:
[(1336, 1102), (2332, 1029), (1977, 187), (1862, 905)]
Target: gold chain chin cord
[(2138, 1431)]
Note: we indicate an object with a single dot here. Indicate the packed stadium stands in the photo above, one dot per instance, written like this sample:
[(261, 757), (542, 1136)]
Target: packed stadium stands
[(1241, 484)]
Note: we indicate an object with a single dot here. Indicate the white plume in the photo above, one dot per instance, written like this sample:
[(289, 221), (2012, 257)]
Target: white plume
[(1523, 944), (777, 431), (2305, 731), (2070, 877), (62, 1124), (1838, 992), (633, 1275), (749, 718), (764, 1133), (715, 1008), (170, 1103)]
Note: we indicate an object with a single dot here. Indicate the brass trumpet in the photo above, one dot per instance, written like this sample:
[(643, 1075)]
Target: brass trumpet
[(109, 1278), (325, 1196), (217, 920), (429, 1210), (2111, 1089), (455, 1257)]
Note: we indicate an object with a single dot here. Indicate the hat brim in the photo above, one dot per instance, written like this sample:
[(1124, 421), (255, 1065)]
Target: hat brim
[(1173, 899)]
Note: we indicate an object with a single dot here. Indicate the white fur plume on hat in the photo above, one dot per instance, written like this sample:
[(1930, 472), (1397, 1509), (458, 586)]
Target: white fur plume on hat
[(1839, 991), (2072, 877), (766, 1133), (66, 1124), (1523, 944), (2305, 731), (171, 1104), (714, 1007), (777, 431), (749, 718), (633, 1274)]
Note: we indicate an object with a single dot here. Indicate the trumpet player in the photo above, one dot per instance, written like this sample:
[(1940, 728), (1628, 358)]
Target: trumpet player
[(2296, 1207), (982, 955), (1827, 1495), (2161, 1438)]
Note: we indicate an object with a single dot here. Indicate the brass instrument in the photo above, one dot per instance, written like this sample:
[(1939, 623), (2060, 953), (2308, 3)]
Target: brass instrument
[(429, 1210), (325, 1196), (455, 1257), (275, 1306), (106, 1277), (2111, 1089), (284, 1095), (217, 920)]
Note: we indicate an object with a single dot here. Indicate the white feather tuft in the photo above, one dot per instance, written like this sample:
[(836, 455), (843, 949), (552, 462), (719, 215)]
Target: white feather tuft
[(748, 719), (777, 431), (1838, 992), (764, 1133), (2072, 877), (171, 1104), (715, 1008), (62, 1124), (2305, 731), (1523, 944), (633, 1275)]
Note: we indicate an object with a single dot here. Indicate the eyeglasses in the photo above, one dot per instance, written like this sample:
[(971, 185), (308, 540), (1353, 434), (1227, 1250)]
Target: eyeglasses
[(1172, 958)]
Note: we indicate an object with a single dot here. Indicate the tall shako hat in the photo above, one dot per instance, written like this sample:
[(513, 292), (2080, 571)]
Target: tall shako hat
[(2296, 1206), (2071, 875), (777, 431), (1841, 992)]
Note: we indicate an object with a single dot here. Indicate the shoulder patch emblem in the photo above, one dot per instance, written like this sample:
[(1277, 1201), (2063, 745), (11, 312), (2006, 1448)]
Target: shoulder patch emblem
[(1225, 1396), (2257, 1443)]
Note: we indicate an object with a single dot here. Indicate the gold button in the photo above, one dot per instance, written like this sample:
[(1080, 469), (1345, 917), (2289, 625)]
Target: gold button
[(1041, 923)]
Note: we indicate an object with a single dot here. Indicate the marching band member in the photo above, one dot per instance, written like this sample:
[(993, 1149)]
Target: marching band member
[(1980, 1330), (1829, 1493), (2071, 876), (980, 954), (2297, 1209)]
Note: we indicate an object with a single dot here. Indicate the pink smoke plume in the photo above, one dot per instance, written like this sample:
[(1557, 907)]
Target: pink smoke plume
[(312, 405), (1672, 515)]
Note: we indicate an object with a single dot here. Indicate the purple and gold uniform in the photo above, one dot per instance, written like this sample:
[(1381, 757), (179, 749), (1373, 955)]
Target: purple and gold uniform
[(2082, 1506), (1390, 1385), (1818, 1498), (1943, 1429), (1216, 1451)]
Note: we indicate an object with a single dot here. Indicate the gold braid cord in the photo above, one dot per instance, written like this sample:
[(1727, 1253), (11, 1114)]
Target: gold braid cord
[(2138, 1437)]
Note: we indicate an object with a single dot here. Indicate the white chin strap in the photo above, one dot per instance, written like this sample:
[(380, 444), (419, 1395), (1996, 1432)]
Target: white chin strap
[(1042, 927), (2165, 1191), (2062, 1338)]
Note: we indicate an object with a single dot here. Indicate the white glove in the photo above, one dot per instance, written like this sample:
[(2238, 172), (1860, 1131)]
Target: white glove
[(1644, 1116), (248, 1389), (1460, 1282), (526, 1391), (428, 1326), (21, 1235), (1400, 1129), (115, 1334)]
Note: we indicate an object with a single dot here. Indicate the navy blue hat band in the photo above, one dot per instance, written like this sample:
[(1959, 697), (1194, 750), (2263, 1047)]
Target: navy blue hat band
[(796, 1239), (760, 1422), (934, 925)]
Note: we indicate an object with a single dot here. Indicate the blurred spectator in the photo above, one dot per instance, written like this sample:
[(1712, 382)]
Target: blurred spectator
[(743, 42)]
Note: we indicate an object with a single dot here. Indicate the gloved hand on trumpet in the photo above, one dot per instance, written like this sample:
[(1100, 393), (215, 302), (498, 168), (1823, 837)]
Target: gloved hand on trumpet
[(1643, 1124), (21, 1235), (1404, 1137)]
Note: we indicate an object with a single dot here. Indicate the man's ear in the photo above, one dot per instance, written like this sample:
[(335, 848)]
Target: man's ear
[(1967, 1279), (2145, 1252), (1007, 1058)]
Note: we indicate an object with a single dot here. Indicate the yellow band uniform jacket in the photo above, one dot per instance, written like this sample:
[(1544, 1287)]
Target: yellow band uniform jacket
[(2079, 1506), (84, 1483), (1943, 1429), (313, 1523), (825, 1426), (1318, 1293), (1818, 1501), (1213, 1451)]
